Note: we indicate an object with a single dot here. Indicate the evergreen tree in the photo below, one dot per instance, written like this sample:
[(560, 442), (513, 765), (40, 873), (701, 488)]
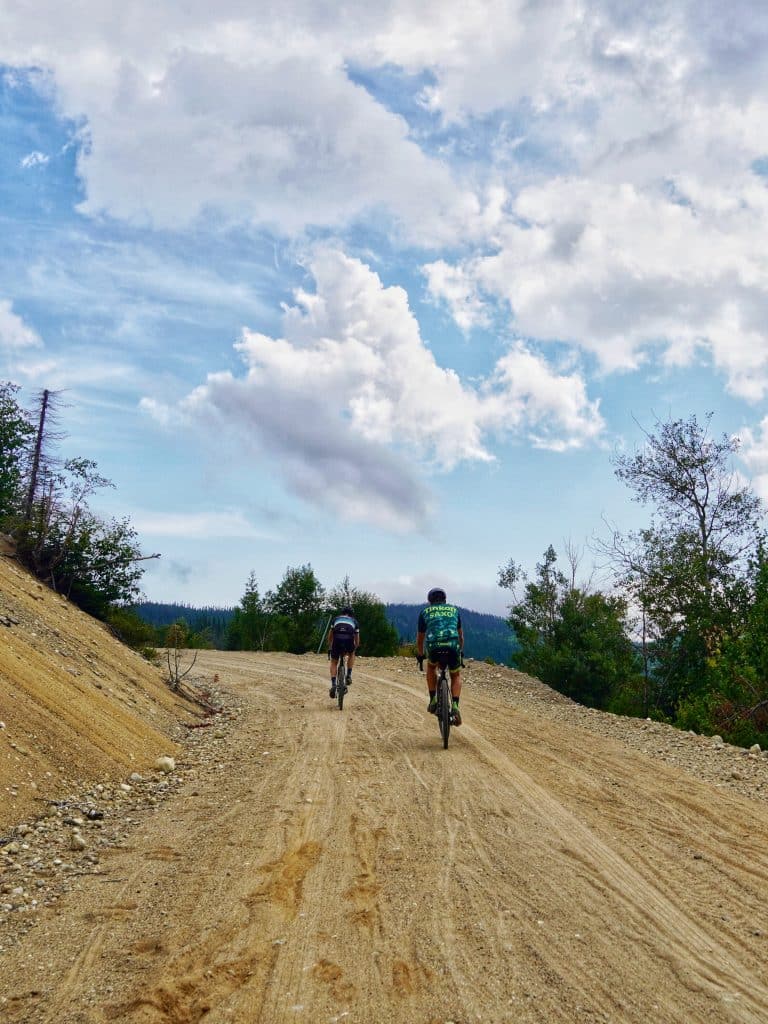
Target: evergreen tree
[(250, 625)]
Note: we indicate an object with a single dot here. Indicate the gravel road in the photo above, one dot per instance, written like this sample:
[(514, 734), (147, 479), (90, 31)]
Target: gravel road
[(303, 864)]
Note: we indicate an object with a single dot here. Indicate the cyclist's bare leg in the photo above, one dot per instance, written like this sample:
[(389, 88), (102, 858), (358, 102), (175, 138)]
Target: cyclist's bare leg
[(334, 668), (350, 660), (431, 677), (455, 684)]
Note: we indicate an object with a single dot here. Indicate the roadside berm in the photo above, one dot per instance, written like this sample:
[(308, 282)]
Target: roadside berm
[(76, 705)]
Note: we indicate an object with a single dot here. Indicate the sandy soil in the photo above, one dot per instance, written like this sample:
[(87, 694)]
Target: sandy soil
[(75, 704), (334, 866)]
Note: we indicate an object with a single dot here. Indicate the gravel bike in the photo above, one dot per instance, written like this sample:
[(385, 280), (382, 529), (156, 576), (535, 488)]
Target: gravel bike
[(444, 710), (444, 704), (341, 680)]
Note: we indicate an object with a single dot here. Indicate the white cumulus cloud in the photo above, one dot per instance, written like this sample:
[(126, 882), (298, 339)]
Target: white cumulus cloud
[(253, 116), (14, 333), (630, 275), (350, 402), (754, 453)]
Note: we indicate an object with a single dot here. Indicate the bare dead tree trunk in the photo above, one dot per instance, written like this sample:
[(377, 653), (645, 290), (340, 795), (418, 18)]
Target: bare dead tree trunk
[(36, 457), (646, 680)]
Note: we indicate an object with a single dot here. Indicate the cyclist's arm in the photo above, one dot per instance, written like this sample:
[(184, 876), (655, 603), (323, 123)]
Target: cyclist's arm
[(421, 632), (461, 638), (357, 638)]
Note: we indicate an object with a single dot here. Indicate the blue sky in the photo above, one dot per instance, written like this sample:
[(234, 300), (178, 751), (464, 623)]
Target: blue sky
[(382, 290)]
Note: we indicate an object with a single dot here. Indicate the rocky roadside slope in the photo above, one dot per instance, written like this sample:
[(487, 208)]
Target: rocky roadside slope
[(45, 857), (76, 706), (88, 732)]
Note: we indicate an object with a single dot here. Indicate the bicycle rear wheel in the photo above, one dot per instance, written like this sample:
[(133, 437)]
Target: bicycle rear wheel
[(444, 707), (341, 684)]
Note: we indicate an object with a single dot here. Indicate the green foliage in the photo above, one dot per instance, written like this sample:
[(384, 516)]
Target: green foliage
[(180, 635), (688, 570), (177, 635), (293, 616), (574, 641), (209, 620), (735, 702), (92, 561), (378, 637), (129, 627), (16, 432), (96, 564), (251, 622), (296, 611)]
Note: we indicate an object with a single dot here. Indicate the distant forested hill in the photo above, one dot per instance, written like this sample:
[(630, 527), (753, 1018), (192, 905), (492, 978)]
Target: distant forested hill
[(215, 620), (485, 636)]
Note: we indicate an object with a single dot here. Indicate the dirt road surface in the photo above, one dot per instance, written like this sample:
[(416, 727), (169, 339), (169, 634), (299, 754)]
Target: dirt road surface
[(342, 867)]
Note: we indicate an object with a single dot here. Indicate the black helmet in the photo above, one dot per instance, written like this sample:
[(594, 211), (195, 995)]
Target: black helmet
[(348, 611), (437, 596)]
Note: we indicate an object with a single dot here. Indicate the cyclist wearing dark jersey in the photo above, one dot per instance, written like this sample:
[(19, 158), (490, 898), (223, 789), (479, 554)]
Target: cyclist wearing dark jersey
[(441, 638), (343, 638)]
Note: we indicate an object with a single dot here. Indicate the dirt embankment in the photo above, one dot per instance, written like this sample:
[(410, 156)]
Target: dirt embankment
[(76, 705)]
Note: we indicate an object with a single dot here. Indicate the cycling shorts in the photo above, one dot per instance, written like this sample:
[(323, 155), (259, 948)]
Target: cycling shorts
[(342, 645), (447, 655)]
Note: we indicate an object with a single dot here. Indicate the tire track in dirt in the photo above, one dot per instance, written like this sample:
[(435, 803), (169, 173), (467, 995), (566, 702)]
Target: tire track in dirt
[(205, 975), (239, 963), (703, 849), (690, 947), (359, 873), (697, 957), (351, 957)]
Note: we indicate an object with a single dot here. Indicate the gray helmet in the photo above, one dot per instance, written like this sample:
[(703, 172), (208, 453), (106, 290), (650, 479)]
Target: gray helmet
[(437, 596)]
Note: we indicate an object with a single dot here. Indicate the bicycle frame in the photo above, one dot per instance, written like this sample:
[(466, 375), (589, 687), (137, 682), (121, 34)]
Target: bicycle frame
[(444, 710), (341, 680), (444, 704)]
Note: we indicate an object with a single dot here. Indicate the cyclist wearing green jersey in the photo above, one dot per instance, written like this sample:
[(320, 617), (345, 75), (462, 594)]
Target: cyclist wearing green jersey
[(440, 636)]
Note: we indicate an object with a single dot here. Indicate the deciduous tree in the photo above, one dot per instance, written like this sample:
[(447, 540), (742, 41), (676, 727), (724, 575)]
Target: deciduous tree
[(687, 570), (574, 641), (16, 432)]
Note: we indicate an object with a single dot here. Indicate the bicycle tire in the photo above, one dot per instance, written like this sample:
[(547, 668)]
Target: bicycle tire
[(444, 708), (341, 684)]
